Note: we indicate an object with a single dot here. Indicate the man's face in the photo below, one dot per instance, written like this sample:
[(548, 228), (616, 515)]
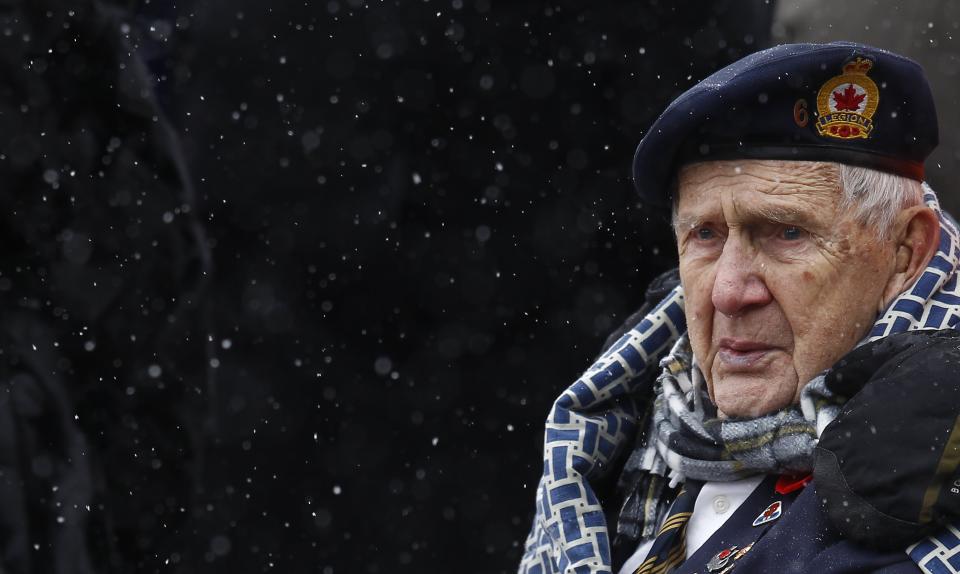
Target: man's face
[(778, 283)]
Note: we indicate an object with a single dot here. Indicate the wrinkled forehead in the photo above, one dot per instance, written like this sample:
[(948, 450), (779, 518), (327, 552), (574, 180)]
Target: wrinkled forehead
[(773, 187), (698, 181), (772, 176)]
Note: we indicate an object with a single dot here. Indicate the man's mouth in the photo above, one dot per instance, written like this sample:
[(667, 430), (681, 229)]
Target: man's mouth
[(742, 354)]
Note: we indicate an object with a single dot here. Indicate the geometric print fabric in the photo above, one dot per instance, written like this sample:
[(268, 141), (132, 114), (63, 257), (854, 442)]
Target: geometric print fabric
[(938, 554), (594, 420), (934, 300), (570, 533)]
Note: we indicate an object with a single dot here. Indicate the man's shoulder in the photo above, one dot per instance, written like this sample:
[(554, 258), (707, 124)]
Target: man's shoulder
[(885, 465)]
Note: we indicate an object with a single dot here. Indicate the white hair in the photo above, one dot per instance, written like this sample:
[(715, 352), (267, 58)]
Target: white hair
[(874, 198)]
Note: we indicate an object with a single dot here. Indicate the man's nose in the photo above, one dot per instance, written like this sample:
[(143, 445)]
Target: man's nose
[(739, 284)]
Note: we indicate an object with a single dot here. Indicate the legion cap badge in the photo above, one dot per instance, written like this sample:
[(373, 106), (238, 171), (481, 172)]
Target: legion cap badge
[(846, 103)]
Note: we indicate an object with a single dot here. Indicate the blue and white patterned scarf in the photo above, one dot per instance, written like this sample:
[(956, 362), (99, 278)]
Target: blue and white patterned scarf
[(595, 420)]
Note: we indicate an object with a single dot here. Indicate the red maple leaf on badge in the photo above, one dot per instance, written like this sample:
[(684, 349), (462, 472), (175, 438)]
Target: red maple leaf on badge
[(848, 100)]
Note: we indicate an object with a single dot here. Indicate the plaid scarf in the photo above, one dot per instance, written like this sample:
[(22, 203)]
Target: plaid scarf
[(596, 419)]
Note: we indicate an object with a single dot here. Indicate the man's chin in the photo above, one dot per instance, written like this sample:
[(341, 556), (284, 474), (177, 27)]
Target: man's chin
[(751, 396)]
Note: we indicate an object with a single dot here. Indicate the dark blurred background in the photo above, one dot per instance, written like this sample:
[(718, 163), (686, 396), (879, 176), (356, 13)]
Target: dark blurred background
[(290, 287), (424, 229)]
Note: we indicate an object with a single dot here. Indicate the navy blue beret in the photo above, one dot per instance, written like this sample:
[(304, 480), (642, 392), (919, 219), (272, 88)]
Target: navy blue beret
[(843, 102)]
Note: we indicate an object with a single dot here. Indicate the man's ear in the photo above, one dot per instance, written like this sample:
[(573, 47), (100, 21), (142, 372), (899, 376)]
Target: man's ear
[(916, 237)]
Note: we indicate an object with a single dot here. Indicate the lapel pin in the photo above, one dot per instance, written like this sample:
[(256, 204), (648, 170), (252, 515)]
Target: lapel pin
[(722, 562), (771, 513), (721, 559)]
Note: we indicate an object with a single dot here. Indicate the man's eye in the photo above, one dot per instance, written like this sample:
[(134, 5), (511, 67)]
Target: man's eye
[(705, 234), (791, 233)]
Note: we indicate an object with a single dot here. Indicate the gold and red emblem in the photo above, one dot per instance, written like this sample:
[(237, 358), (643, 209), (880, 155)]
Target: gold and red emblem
[(846, 103)]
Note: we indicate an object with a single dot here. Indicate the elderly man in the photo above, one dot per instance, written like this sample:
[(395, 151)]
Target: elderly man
[(790, 404)]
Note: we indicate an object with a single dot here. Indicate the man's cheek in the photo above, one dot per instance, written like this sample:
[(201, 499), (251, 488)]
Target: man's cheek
[(698, 328)]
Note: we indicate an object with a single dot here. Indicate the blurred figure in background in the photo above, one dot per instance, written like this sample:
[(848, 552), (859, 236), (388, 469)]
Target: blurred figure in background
[(104, 352)]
